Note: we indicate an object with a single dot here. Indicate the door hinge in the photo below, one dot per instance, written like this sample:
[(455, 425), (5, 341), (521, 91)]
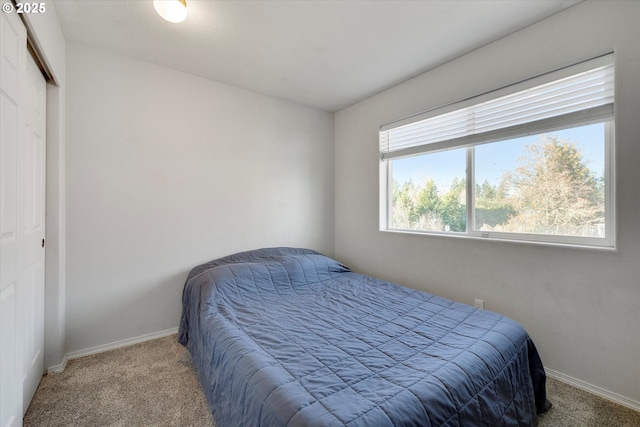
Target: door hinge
[(43, 243)]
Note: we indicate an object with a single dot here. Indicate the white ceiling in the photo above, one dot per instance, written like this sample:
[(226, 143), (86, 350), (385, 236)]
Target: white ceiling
[(327, 54)]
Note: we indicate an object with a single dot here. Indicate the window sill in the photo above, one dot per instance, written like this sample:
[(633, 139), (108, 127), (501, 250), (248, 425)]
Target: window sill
[(463, 236)]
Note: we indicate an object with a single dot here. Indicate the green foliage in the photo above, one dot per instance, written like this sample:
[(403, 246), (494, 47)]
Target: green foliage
[(492, 206), (423, 208), (428, 199), (554, 192), (453, 206), (551, 191)]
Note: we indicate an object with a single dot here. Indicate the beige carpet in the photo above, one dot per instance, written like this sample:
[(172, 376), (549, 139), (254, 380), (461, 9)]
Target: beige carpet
[(148, 384), (153, 384)]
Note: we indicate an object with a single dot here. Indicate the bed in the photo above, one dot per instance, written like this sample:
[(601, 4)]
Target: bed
[(289, 337)]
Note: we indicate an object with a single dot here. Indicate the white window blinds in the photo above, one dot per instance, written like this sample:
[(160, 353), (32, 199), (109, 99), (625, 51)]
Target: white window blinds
[(581, 94)]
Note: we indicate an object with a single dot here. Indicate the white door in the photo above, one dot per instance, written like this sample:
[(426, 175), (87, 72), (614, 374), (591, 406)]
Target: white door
[(22, 197), (12, 65), (33, 229)]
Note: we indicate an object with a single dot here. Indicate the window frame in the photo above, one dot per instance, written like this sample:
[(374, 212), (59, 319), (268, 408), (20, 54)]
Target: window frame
[(386, 184)]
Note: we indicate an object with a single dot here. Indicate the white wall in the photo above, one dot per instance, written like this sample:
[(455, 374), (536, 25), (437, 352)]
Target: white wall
[(166, 170), (582, 307)]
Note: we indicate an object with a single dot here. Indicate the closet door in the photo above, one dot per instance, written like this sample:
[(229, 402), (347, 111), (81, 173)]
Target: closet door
[(13, 45), (22, 219), (33, 230)]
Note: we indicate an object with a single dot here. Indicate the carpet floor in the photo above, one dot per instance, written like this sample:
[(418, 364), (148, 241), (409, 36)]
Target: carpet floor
[(154, 384)]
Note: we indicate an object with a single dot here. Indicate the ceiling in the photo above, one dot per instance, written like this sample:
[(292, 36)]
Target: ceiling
[(326, 54)]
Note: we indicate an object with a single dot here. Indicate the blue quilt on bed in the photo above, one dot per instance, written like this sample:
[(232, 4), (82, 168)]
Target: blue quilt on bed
[(288, 337)]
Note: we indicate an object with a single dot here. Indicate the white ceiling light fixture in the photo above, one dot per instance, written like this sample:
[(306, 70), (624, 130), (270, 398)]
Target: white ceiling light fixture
[(171, 10)]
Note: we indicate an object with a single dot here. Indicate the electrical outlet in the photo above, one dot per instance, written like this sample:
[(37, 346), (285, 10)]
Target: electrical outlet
[(478, 303)]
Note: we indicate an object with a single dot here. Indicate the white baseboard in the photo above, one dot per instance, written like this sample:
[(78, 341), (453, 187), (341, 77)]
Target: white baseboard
[(122, 343), (598, 391), (58, 368)]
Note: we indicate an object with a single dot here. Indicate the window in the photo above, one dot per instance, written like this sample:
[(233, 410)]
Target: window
[(530, 162)]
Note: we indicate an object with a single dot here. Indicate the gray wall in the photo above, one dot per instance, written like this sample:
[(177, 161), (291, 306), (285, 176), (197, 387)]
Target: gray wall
[(582, 307), (165, 170)]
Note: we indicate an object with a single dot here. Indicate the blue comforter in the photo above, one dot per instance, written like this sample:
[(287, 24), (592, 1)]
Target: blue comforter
[(288, 337)]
